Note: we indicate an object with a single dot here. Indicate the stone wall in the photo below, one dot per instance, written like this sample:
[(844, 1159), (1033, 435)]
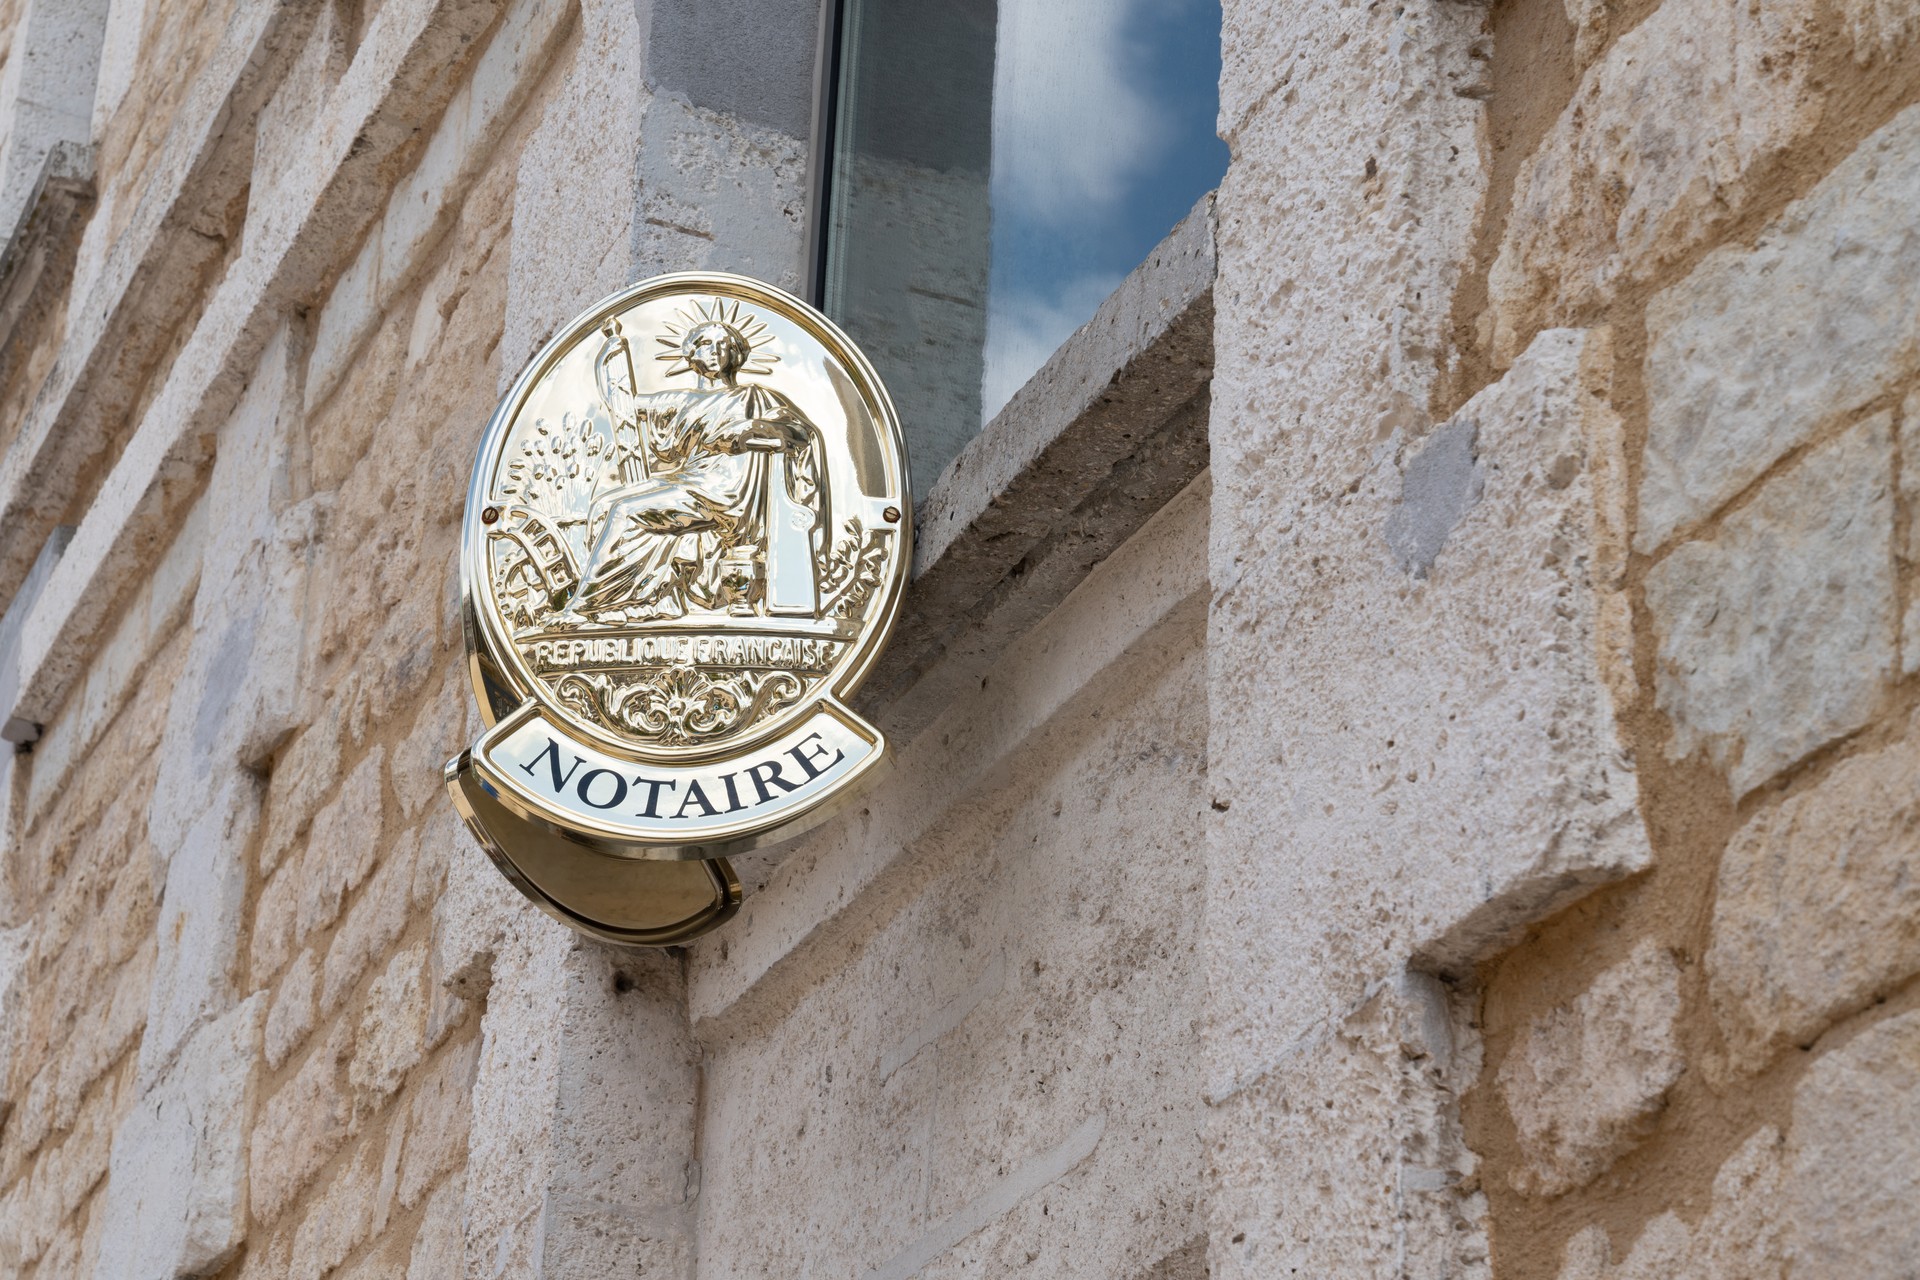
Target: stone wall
[(1466, 830), (1658, 253)]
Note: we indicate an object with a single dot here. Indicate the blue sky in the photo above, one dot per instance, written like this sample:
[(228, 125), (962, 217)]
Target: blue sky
[(1103, 139)]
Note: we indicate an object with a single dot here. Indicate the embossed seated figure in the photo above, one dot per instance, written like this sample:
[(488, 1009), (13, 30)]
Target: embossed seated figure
[(723, 495)]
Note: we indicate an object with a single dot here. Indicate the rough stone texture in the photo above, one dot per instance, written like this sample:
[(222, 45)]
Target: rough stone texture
[(393, 1027), (1817, 910), (1441, 480), (1853, 1156), (1744, 78), (177, 1198), (292, 1015), (1584, 1082), (1910, 504), (235, 695), (46, 98), (1832, 1199), (1376, 1163), (1742, 366), (1739, 1237), (1041, 1043), (344, 844), (377, 919), (350, 1209), (301, 1126), (61, 1181), (196, 975), (438, 1249), (1495, 804), (437, 1121), (1776, 635)]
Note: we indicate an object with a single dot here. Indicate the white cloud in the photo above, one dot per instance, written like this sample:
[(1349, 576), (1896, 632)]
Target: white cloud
[(1024, 328), (1071, 125)]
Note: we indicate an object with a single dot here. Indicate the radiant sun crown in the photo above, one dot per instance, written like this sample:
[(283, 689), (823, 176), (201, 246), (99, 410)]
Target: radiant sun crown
[(747, 328)]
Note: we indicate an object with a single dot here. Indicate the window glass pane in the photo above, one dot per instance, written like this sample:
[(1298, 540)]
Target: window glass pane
[(998, 168)]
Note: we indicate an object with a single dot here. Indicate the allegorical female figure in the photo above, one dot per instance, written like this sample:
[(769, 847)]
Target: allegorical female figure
[(723, 495)]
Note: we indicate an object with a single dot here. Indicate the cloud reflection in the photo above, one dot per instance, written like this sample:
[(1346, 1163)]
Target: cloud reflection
[(1099, 108)]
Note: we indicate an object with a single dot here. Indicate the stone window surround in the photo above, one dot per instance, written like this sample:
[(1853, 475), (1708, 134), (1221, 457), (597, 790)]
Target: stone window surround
[(1104, 435)]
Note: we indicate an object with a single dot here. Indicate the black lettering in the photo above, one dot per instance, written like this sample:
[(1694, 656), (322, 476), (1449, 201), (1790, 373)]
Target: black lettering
[(553, 766), (696, 795), (806, 760), (769, 771), (733, 793), (586, 783), (653, 786)]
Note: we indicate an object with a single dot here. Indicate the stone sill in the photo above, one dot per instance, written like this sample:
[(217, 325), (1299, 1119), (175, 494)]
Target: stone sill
[(50, 218), (1104, 435)]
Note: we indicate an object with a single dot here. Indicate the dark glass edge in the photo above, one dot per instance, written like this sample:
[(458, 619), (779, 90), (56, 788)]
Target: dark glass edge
[(821, 148)]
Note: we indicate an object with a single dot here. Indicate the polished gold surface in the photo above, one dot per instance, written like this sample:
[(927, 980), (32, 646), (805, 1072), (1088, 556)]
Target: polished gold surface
[(686, 539)]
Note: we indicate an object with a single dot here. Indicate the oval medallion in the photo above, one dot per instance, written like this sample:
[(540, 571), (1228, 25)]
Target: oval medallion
[(686, 539)]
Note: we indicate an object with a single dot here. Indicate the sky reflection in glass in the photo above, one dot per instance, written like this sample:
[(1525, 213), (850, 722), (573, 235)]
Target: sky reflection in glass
[(998, 169)]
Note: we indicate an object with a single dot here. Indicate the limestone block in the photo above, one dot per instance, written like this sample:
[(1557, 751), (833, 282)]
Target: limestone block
[(349, 315), (1027, 1097), (582, 1238), (344, 843), (59, 1179), (376, 1265), (235, 696), (1758, 346), (1835, 1198), (712, 179), (276, 922), (1584, 1082), (1615, 190), (106, 1028), (438, 734), (16, 944), (1347, 1160), (1444, 747), (565, 249), (1817, 910), (305, 771), (1910, 554), (443, 838), (301, 1126), (348, 1211), (472, 917), (393, 1028), (292, 1014), (196, 974), (1853, 1159), (437, 1117), (1741, 1237), (503, 77), (1776, 635), (177, 1195), (377, 918), (438, 1249)]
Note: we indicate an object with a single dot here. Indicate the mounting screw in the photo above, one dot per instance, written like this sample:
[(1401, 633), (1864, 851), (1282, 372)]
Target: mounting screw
[(891, 515), (489, 515)]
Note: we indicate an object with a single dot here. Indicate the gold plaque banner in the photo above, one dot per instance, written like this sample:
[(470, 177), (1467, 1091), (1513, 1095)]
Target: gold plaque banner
[(533, 766), (686, 541)]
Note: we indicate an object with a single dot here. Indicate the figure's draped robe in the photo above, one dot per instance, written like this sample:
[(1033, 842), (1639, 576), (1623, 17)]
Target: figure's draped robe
[(656, 544)]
